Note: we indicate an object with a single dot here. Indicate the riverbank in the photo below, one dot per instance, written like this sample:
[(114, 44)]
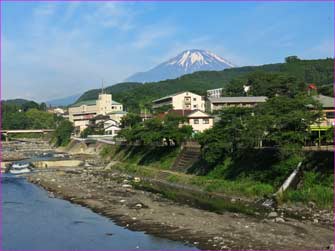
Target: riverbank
[(168, 204), (111, 193)]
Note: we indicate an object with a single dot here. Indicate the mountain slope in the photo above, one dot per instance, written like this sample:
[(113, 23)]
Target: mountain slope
[(187, 62), (63, 101), (133, 96)]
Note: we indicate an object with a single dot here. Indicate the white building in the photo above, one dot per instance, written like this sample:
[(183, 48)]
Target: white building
[(181, 101), (111, 127), (215, 93), (200, 121), (81, 112)]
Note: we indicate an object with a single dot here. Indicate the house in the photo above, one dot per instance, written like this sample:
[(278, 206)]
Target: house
[(215, 93), (60, 112), (199, 120), (181, 101), (111, 127), (328, 115), (105, 124), (214, 104), (81, 112)]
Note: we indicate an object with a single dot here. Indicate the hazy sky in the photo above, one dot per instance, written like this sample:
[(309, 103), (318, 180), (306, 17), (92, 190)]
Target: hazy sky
[(52, 50)]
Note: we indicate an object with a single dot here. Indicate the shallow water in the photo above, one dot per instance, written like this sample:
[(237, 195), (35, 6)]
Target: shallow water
[(32, 220)]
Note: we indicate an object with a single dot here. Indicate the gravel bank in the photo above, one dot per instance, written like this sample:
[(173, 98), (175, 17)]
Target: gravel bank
[(112, 195)]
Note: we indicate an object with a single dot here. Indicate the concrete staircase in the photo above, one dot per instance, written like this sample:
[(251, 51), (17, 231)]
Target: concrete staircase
[(189, 155)]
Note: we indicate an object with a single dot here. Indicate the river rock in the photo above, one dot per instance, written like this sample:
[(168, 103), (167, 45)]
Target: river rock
[(279, 220), (273, 215), (138, 206), (126, 186), (311, 204)]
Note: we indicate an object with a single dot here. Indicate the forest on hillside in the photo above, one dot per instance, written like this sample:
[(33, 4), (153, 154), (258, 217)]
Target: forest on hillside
[(298, 74)]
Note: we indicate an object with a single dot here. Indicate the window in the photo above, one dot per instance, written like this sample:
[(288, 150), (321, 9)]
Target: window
[(194, 99), (205, 121), (330, 115), (194, 106), (196, 121)]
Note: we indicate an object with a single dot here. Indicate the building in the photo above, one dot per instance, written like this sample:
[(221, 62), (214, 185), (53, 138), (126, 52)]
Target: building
[(215, 93), (111, 127), (199, 120), (105, 124), (215, 104), (328, 115), (60, 112), (117, 115), (81, 112), (181, 101)]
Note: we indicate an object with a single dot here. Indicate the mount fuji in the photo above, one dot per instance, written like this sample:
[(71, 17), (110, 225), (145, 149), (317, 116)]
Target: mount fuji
[(188, 61)]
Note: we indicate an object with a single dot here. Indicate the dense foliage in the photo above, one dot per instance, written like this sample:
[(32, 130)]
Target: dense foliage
[(282, 123), (62, 134), (157, 131), (23, 114)]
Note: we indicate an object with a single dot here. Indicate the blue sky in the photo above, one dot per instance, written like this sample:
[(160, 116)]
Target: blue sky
[(57, 49)]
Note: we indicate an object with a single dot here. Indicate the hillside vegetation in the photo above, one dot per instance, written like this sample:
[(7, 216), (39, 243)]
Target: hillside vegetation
[(136, 95)]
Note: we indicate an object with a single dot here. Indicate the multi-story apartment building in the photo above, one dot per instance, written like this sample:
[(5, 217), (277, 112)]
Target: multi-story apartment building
[(215, 104), (181, 101), (81, 112)]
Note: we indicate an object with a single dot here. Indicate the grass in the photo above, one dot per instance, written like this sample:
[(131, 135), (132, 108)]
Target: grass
[(245, 188), (250, 183), (319, 191), (160, 157)]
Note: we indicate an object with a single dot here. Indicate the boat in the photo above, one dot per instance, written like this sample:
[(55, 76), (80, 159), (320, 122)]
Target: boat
[(19, 168)]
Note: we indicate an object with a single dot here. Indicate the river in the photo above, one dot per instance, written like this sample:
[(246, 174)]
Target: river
[(31, 220)]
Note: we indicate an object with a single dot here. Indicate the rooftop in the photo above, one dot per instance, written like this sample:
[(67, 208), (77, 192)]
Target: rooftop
[(86, 102), (249, 99), (172, 95), (91, 102), (118, 112), (325, 101)]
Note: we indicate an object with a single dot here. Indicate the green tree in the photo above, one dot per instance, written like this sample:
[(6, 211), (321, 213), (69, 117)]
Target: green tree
[(292, 59), (130, 120), (62, 134)]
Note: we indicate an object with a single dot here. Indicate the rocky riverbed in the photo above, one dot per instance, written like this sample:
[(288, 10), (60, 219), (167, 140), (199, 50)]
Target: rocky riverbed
[(112, 194)]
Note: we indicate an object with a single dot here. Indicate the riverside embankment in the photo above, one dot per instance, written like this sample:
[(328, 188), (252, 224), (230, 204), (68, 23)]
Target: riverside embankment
[(117, 194)]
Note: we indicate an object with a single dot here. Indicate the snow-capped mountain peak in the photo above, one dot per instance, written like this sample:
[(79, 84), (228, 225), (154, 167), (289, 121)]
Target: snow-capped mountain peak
[(186, 62), (188, 58)]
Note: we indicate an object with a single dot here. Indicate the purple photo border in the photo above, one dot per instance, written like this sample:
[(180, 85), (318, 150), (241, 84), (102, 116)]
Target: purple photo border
[(300, 1)]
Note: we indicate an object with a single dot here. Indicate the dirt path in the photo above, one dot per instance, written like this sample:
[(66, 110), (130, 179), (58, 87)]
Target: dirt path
[(140, 210)]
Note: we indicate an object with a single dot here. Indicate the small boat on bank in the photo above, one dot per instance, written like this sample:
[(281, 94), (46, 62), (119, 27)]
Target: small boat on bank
[(19, 168)]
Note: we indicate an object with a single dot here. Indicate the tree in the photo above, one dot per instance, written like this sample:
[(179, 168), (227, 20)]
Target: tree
[(291, 59), (282, 123), (156, 131), (62, 134), (130, 120)]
